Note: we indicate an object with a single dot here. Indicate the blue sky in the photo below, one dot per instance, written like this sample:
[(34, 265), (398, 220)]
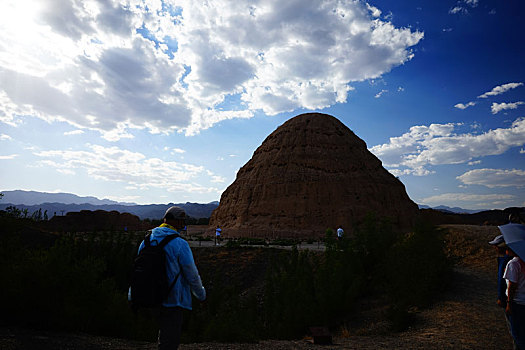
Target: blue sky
[(154, 101)]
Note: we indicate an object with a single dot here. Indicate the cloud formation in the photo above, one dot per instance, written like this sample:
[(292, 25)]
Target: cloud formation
[(424, 146), (462, 6), (498, 90), (498, 107), (494, 178), (482, 199), (8, 157), (131, 168), (165, 66), (465, 106), (380, 93)]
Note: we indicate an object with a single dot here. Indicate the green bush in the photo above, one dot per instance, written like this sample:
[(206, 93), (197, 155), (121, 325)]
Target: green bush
[(225, 317), (80, 284), (416, 268), (305, 289)]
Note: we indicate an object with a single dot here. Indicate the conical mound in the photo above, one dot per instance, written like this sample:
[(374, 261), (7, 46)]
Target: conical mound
[(310, 174)]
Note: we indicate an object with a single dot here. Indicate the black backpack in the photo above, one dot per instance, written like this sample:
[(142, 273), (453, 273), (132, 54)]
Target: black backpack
[(149, 279)]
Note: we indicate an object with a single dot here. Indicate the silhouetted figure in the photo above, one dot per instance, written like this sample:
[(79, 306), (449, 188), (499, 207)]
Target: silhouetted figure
[(183, 277)]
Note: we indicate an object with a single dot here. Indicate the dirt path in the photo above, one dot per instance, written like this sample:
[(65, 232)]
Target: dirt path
[(466, 317)]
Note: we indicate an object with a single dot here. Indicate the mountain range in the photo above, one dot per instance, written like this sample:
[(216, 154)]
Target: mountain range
[(455, 210), (62, 203)]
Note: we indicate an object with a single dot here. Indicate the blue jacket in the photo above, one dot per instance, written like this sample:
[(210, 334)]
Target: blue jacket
[(179, 260)]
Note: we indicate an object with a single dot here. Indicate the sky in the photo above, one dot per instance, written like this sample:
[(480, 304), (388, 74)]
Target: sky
[(159, 101)]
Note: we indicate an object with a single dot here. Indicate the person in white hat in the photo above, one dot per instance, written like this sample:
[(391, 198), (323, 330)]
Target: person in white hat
[(515, 309), (503, 258)]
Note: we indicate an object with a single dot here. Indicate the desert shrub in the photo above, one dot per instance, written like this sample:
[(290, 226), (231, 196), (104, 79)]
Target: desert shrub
[(79, 284), (416, 268), (251, 241), (233, 243), (305, 289), (372, 241), (227, 316), (330, 241), (289, 301)]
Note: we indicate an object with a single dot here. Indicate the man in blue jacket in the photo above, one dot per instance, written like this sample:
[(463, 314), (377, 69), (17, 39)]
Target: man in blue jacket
[(180, 266)]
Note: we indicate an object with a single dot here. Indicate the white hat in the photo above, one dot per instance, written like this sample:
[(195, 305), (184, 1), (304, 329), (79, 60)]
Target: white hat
[(497, 240), (175, 213)]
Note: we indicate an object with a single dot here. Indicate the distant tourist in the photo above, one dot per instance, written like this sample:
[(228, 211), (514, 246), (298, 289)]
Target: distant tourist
[(218, 232), (340, 233), (515, 276), (515, 309), (182, 274), (503, 258)]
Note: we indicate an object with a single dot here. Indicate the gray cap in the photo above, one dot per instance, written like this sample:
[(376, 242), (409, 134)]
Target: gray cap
[(497, 240), (175, 213)]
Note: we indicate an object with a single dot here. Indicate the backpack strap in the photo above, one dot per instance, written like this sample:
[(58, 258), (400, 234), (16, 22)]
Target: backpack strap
[(167, 239), (147, 240), (162, 244)]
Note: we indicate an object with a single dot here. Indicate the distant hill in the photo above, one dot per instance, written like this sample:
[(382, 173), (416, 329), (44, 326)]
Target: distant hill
[(34, 198), (33, 201), (446, 209), (486, 217), (150, 211)]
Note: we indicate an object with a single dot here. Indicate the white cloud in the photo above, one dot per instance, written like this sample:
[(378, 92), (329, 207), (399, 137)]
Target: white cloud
[(166, 67), (498, 90), (494, 178), (178, 150), (74, 132), (380, 93), (457, 9), (66, 171), (218, 179), (373, 10), (522, 151), (4, 137), (215, 178), (438, 144), (462, 5), (476, 162), (466, 197), (8, 157), (132, 168), (465, 106), (498, 107)]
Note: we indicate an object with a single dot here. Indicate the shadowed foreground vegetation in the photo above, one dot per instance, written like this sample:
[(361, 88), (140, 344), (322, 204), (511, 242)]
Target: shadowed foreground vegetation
[(80, 284)]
